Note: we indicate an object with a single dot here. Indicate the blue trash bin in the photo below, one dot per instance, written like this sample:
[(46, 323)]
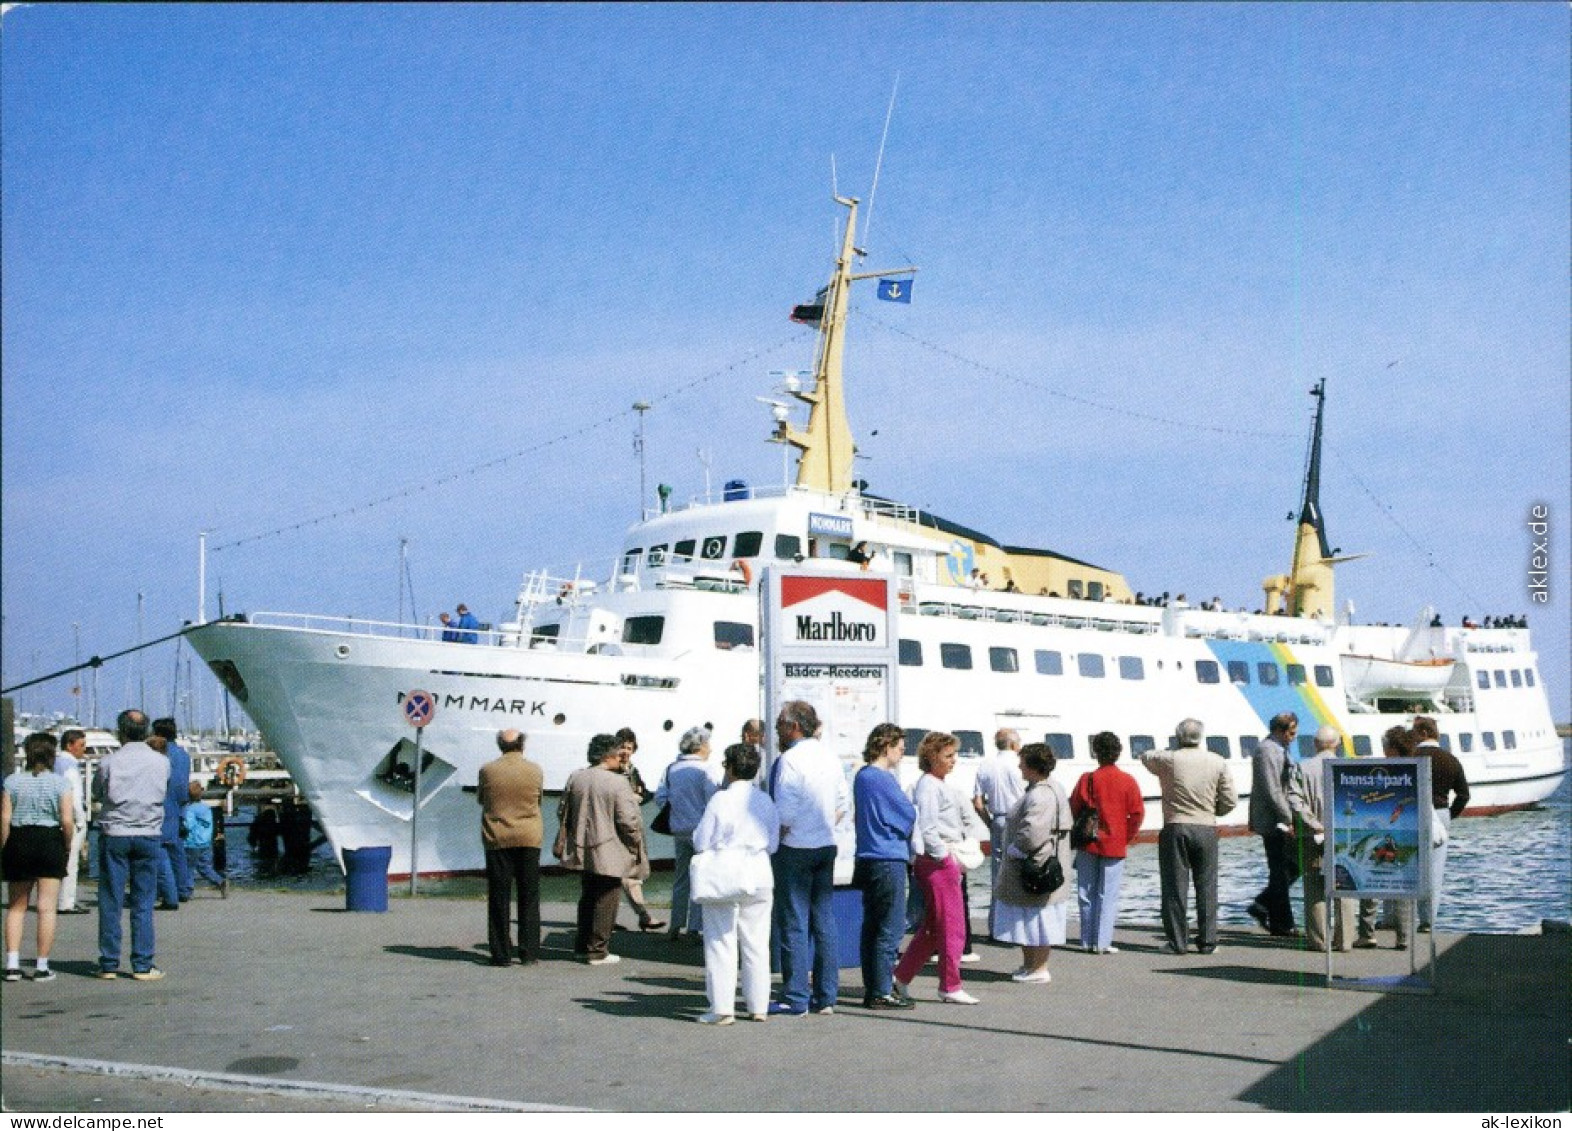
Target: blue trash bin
[(366, 878), (848, 926)]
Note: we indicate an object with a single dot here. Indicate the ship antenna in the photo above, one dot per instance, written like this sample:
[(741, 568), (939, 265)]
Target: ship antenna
[(873, 190)]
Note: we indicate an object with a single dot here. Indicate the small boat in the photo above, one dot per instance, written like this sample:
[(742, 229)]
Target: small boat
[(1375, 677)]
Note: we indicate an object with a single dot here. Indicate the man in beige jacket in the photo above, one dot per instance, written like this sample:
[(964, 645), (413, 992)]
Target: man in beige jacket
[(601, 836), (511, 830), (1198, 788)]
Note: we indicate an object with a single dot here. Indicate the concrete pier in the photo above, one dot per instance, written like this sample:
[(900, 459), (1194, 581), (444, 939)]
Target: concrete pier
[(285, 1002)]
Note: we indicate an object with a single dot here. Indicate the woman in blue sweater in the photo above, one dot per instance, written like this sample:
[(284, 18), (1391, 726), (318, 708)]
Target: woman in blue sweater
[(885, 817)]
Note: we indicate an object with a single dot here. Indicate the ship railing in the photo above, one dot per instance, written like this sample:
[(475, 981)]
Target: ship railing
[(362, 626), (960, 610)]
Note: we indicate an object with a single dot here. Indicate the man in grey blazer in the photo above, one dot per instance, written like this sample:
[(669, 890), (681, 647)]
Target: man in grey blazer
[(601, 837), (1273, 821)]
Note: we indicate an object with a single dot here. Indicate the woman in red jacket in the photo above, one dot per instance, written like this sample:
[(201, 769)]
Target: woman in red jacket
[(1099, 867)]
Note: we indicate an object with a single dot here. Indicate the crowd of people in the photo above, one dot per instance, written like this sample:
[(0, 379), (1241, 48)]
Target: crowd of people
[(156, 840), (755, 852)]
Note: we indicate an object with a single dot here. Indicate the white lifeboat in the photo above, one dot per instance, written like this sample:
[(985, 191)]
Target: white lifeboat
[(1367, 677)]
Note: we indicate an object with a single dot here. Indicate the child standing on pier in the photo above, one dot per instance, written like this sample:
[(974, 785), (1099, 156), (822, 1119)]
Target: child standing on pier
[(196, 828)]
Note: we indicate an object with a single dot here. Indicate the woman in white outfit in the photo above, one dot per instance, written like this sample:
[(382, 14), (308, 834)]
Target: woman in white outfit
[(741, 821), (1037, 829)]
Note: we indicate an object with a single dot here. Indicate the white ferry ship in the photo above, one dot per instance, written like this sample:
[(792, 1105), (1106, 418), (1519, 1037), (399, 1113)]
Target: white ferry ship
[(1055, 647)]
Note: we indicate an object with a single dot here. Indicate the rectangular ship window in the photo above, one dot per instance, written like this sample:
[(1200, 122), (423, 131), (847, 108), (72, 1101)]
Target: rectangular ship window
[(747, 544), (957, 656), (1296, 675), (1090, 664), (1269, 674), (643, 630), (1207, 671), (1132, 667), (911, 653), (1238, 671), (971, 743), (1466, 741), (1323, 675), (1003, 660), (1248, 745), (1062, 745), (733, 634), (1362, 745), (1141, 744), (1049, 663), (1217, 744)]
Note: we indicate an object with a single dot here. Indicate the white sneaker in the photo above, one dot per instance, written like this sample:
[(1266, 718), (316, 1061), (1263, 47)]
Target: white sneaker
[(604, 960), (1037, 976), (716, 1019), (957, 997), (972, 957), (1110, 950)]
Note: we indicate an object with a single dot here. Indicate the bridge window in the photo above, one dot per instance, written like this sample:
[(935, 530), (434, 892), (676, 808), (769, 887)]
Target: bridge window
[(787, 547), (1238, 671), (1003, 660), (1446, 742), (1509, 739), (1049, 663), (1500, 678), (1217, 744), (1489, 739), (1141, 744), (1076, 590), (1131, 667), (1090, 664), (1484, 681), (1062, 745), (1517, 678), (911, 653), (1323, 675), (714, 548), (733, 634), (1466, 741), (1528, 676), (543, 634), (657, 557), (630, 560), (643, 630), (683, 550), (1269, 674), (1362, 745), (957, 656), (747, 544), (1094, 590), (971, 743), (1296, 675)]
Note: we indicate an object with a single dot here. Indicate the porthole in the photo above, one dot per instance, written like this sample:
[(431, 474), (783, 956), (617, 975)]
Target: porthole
[(342, 650), (666, 725), (558, 719)]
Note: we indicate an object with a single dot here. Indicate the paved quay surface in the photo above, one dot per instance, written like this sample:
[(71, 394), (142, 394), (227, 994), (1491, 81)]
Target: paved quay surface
[(285, 1002)]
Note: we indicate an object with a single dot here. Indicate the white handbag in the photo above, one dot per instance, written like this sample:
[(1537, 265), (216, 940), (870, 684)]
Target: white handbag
[(968, 853), (726, 875)]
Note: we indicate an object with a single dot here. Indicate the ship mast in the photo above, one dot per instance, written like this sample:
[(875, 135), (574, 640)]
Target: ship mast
[(826, 450), (1307, 589)]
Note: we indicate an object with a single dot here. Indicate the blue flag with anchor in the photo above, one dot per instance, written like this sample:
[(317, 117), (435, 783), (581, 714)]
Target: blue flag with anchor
[(895, 290)]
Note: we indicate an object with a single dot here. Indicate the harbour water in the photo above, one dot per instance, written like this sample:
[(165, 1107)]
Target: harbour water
[(1504, 874)]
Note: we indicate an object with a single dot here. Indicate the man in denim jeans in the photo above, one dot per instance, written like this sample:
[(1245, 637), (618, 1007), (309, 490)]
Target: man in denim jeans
[(809, 787), (130, 785)]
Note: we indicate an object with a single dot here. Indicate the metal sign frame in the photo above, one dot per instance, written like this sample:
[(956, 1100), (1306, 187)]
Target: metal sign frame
[(830, 637), (1378, 822)]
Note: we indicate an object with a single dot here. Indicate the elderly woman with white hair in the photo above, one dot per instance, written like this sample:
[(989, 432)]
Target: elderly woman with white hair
[(687, 786)]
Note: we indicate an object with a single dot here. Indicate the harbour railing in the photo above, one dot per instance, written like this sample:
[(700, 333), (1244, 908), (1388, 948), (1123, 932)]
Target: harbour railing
[(387, 630)]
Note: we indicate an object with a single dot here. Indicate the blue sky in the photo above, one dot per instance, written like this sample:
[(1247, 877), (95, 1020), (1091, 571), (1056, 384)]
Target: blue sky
[(264, 264)]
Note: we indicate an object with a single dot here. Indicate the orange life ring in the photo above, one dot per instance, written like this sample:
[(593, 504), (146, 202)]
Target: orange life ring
[(231, 771), (742, 567)]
